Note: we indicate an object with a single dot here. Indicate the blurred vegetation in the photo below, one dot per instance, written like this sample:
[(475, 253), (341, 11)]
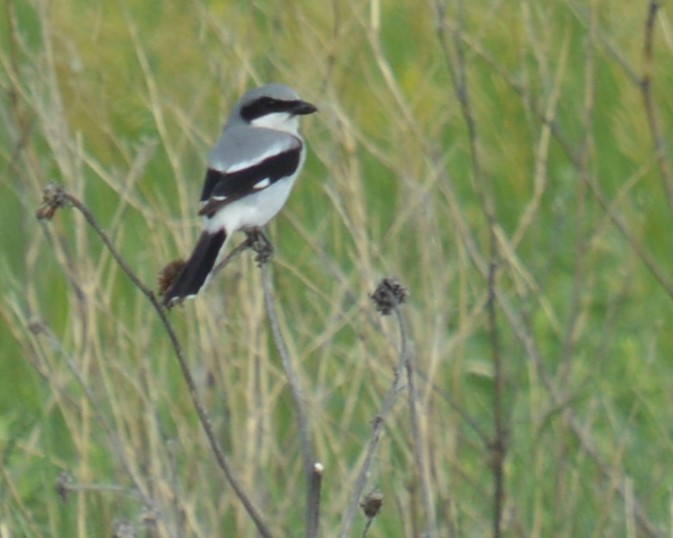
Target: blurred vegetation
[(120, 101)]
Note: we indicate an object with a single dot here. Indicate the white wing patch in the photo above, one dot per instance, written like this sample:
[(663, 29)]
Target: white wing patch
[(263, 184), (218, 198)]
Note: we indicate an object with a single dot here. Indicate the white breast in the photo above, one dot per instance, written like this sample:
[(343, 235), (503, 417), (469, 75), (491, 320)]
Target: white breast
[(256, 209)]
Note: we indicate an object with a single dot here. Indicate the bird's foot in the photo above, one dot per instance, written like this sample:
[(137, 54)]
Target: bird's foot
[(259, 242)]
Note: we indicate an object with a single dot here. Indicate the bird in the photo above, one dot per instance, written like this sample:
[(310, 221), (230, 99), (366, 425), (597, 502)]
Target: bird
[(251, 171)]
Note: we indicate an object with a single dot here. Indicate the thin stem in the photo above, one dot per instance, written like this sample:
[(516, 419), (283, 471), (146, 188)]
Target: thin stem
[(416, 433), (231, 255), (499, 445), (297, 398), (43, 330), (313, 501), (365, 530), (377, 427), (60, 196), (648, 101), (386, 298), (461, 88), (524, 333)]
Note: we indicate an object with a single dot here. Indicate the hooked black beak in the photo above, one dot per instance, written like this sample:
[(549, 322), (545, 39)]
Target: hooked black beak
[(301, 108)]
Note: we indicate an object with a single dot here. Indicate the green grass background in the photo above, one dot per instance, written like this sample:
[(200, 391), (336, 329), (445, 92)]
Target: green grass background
[(119, 102)]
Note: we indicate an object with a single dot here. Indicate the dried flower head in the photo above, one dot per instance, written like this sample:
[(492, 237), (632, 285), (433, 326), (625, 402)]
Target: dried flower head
[(389, 294), (123, 529), (168, 275), (37, 326), (372, 503), (63, 485), (53, 198)]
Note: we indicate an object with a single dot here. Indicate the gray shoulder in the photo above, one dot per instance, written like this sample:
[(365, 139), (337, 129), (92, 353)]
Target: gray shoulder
[(243, 144)]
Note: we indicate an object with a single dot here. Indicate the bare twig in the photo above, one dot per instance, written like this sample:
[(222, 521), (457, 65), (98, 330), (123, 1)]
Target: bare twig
[(585, 156), (231, 255), (365, 530), (417, 436), (659, 273), (377, 426), (63, 486), (458, 71), (573, 154), (499, 445), (524, 333), (313, 501), (648, 101), (261, 245), (385, 297), (56, 197)]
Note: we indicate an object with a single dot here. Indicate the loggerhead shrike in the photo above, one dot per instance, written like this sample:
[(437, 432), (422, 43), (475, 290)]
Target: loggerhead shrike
[(250, 173)]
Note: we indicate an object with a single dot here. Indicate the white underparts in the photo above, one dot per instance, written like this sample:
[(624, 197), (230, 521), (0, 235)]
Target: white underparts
[(253, 210)]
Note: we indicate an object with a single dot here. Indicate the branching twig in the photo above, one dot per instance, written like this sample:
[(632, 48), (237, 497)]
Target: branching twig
[(56, 197), (39, 328), (385, 297), (524, 333), (659, 273), (573, 154)]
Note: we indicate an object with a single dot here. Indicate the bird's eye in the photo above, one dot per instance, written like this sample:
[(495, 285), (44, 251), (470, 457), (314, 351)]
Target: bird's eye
[(261, 107), (269, 103)]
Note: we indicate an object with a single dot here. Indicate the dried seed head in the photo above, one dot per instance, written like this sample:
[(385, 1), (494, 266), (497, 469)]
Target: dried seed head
[(168, 275), (372, 503), (53, 198), (37, 326), (388, 295), (63, 485), (123, 529)]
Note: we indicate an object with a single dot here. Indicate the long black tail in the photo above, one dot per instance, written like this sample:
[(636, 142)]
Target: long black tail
[(195, 272)]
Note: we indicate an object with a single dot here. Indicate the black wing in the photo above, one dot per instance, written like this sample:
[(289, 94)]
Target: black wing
[(223, 188)]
